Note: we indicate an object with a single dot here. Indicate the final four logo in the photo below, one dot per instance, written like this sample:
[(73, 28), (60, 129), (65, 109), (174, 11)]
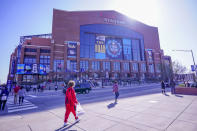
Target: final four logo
[(113, 48)]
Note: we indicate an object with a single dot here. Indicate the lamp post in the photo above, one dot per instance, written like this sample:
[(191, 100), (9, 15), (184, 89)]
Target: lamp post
[(192, 58)]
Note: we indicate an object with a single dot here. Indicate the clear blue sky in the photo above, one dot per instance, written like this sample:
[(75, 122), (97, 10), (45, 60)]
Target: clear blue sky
[(175, 19)]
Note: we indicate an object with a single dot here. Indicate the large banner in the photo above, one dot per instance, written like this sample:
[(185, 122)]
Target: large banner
[(31, 69), (72, 49), (100, 47), (20, 69), (113, 48)]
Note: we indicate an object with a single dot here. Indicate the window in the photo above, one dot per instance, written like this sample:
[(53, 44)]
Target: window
[(83, 66), (116, 66), (95, 65), (29, 59), (126, 66), (158, 68), (71, 65), (151, 68), (127, 49), (135, 67), (45, 51), (143, 67), (45, 60), (106, 66), (136, 50), (30, 50), (58, 65)]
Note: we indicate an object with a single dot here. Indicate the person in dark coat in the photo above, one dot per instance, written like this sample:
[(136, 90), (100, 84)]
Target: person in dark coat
[(172, 84), (163, 87), (3, 96)]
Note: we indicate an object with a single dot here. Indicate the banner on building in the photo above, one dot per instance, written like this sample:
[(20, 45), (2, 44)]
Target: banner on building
[(20, 69), (100, 47), (113, 48), (72, 49), (42, 69)]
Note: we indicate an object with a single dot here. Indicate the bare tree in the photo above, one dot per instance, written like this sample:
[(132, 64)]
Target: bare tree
[(178, 68)]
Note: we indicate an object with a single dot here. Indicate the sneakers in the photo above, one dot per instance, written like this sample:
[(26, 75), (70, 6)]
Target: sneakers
[(65, 124), (77, 120)]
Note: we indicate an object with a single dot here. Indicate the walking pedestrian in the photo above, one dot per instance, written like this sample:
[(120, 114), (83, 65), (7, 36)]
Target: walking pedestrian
[(21, 94), (70, 102), (16, 89), (115, 90), (163, 87), (172, 86), (3, 96), (56, 87)]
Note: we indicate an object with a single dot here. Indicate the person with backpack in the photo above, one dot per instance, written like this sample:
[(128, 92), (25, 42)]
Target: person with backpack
[(115, 90), (70, 102), (3, 96)]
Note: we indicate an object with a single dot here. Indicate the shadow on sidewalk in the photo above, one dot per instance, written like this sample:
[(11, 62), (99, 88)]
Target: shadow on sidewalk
[(65, 128), (111, 105), (178, 95)]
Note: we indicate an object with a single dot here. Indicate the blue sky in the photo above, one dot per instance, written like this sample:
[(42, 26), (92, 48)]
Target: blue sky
[(175, 19)]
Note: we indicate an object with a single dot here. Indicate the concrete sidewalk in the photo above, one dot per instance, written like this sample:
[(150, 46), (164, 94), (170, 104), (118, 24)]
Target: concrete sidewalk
[(155, 112)]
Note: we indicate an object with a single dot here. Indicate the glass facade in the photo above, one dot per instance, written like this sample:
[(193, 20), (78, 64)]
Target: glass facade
[(45, 51), (83, 66), (58, 66), (143, 67), (126, 66), (72, 65), (116, 66), (30, 50), (95, 65), (102, 41), (29, 59), (135, 67), (106, 65), (151, 68), (158, 68)]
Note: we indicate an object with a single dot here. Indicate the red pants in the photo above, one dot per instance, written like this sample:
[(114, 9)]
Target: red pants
[(69, 109)]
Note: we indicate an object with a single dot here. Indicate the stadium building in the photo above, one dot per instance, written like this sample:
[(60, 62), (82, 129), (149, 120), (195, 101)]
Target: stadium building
[(89, 45)]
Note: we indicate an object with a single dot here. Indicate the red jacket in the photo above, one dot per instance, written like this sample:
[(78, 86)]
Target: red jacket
[(70, 97), (16, 89)]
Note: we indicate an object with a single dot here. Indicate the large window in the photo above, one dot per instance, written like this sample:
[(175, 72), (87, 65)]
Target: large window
[(45, 51), (135, 67), (30, 50), (136, 50), (58, 66), (45, 60), (71, 65), (29, 59), (158, 68), (143, 67), (95, 65), (126, 66), (151, 68), (83, 66), (116, 66), (106, 65), (127, 49)]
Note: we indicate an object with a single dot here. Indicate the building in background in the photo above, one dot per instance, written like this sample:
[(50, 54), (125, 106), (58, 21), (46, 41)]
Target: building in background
[(89, 45)]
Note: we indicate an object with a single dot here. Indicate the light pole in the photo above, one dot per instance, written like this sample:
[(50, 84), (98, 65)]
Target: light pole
[(192, 58)]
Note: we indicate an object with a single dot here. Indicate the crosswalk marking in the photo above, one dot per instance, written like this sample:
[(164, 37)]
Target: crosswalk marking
[(27, 105)]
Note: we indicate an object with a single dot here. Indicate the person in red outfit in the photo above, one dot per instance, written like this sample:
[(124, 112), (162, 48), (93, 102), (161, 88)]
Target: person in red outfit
[(70, 102), (16, 89)]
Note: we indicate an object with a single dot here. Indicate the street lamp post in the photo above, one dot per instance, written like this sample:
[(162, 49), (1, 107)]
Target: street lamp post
[(192, 58)]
